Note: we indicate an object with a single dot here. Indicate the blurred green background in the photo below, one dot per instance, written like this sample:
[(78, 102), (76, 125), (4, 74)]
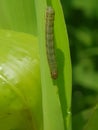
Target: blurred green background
[(81, 18)]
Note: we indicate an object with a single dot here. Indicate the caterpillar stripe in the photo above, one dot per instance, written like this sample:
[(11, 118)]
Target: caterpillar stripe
[(50, 42)]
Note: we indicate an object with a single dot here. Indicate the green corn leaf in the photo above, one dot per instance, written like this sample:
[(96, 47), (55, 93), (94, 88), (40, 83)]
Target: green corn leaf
[(56, 94), (20, 87)]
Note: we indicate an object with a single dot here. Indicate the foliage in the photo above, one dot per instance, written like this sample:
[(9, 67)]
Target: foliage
[(29, 17)]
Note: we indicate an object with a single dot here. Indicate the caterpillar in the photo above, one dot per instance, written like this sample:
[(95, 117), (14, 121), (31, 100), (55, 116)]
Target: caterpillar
[(50, 42)]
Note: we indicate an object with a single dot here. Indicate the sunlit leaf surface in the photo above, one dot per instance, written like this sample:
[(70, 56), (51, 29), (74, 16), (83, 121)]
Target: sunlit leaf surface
[(20, 93)]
